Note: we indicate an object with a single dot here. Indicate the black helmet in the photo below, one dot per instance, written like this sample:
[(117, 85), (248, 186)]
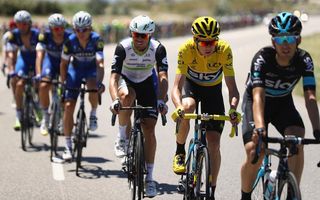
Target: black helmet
[(285, 23)]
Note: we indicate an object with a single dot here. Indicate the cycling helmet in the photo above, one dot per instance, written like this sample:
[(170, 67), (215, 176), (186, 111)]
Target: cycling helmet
[(285, 23), (56, 20), (142, 24), (205, 27), (82, 19), (22, 16)]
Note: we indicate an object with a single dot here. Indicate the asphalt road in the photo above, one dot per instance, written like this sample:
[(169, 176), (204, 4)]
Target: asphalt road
[(31, 175)]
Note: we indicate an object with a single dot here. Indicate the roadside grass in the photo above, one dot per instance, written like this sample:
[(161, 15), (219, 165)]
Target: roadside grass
[(311, 44)]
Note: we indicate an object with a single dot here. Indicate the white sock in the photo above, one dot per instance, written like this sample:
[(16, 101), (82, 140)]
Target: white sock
[(122, 132), (68, 142), (93, 112), (45, 113), (18, 114), (149, 171)]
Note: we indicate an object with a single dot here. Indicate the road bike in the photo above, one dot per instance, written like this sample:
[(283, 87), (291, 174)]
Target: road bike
[(196, 182), (81, 126), (56, 114), (28, 112), (134, 165), (285, 185)]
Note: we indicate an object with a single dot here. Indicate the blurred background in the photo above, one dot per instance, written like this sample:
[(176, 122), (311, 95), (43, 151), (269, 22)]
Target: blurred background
[(173, 17)]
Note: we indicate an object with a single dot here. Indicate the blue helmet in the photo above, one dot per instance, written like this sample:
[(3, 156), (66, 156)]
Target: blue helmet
[(285, 23)]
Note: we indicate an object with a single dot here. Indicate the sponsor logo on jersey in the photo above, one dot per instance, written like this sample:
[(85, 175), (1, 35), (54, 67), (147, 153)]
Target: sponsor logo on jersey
[(279, 84), (258, 63), (114, 60), (205, 77), (309, 64), (165, 61)]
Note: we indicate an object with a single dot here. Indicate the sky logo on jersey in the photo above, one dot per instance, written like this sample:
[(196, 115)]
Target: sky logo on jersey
[(309, 64), (165, 61), (205, 77), (258, 63)]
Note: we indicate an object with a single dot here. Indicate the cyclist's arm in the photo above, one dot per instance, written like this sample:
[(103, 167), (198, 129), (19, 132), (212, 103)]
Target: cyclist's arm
[(312, 108), (258, 95), (162, 68), (39, 61), (176, 93), (116, 68), (12, 58), (100, 60), (233, 92), (63, 69)]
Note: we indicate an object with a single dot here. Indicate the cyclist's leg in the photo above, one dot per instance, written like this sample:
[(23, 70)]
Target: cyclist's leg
[(289, 122), (44, 88), (91, 76), (127, 95), (248, 170), (73, 81)]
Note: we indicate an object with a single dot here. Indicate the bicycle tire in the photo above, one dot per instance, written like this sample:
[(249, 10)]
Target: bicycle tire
[(258, 188), (188, 190), (31, 121), (203, 175), (25, 122), (53, 130), (130, 165), (289, 186), (139, 162), (80, 131)]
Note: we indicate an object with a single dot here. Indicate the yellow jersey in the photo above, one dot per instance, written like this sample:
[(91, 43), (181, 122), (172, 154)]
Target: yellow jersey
[(205, 70)]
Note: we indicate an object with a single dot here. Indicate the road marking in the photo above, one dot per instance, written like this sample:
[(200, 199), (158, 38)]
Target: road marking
[(57, 171)]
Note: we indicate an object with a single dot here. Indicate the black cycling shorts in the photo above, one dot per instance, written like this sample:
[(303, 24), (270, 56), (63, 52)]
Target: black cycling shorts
[(146, 95), (279, 111), (211, 101)]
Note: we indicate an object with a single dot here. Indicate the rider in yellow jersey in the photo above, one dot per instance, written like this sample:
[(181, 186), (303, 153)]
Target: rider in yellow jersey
[(202, 63)]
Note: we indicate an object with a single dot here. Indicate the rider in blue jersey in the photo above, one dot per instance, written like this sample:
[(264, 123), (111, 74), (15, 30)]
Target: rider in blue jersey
[(82, 57), (49, 50), (21, 48)]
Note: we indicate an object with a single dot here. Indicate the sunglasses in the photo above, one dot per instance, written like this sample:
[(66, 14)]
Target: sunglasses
[(208, 43), (140, 35), (82, 30), (58, 28), (22, 24), (290, 39)]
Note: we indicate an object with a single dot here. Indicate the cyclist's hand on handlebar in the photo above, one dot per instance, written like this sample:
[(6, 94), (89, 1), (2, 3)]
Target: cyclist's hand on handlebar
[(37, 78), (115, 106), (256, 133), (235, 117), (162, 107), (316, 134), (178, 113)]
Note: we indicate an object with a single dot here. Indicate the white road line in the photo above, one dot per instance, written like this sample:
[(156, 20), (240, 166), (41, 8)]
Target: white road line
[(57, 171)]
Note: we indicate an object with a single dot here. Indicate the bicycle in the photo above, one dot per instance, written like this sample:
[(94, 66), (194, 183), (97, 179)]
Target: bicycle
[(28, 113), (197, 181), (285, 185), (81, 127), (56, 114), (134, 165)]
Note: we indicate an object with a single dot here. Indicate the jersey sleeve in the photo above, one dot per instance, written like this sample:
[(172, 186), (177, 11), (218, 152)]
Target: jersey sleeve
[(99, 49), (161, 59), (183, 56), (118, 58), (228, 58), (66, 50), (41, 45), (11, 45), (308, 79), (256, 72)]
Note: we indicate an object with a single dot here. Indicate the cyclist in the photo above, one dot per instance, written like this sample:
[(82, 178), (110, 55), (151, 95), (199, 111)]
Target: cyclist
[(82, 57), (25, 39), (5, 38), (275, 71), (49, 50), (202, 63), (132, 76)]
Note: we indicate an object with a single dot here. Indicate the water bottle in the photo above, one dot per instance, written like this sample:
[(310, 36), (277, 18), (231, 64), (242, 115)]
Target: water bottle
[(270, 185)]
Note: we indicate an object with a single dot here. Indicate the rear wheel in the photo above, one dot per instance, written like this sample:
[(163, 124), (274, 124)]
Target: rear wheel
[(53, 130), (203, 175), (26, 123), (130, 166), (288, 188)]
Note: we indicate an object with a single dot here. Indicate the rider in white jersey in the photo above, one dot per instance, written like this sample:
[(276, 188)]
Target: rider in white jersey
[(133, 75)]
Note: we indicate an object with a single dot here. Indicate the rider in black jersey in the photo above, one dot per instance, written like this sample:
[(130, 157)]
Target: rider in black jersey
[(275, 71)]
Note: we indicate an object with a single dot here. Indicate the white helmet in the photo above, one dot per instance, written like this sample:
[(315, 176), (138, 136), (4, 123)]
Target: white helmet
[(82, 19), (56, 20), (142, 24), (22, 16)]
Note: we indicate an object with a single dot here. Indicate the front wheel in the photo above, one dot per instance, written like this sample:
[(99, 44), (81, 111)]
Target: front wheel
[(288, 188), (190, 170), (79, 139), (258, 187), (203, 175)]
